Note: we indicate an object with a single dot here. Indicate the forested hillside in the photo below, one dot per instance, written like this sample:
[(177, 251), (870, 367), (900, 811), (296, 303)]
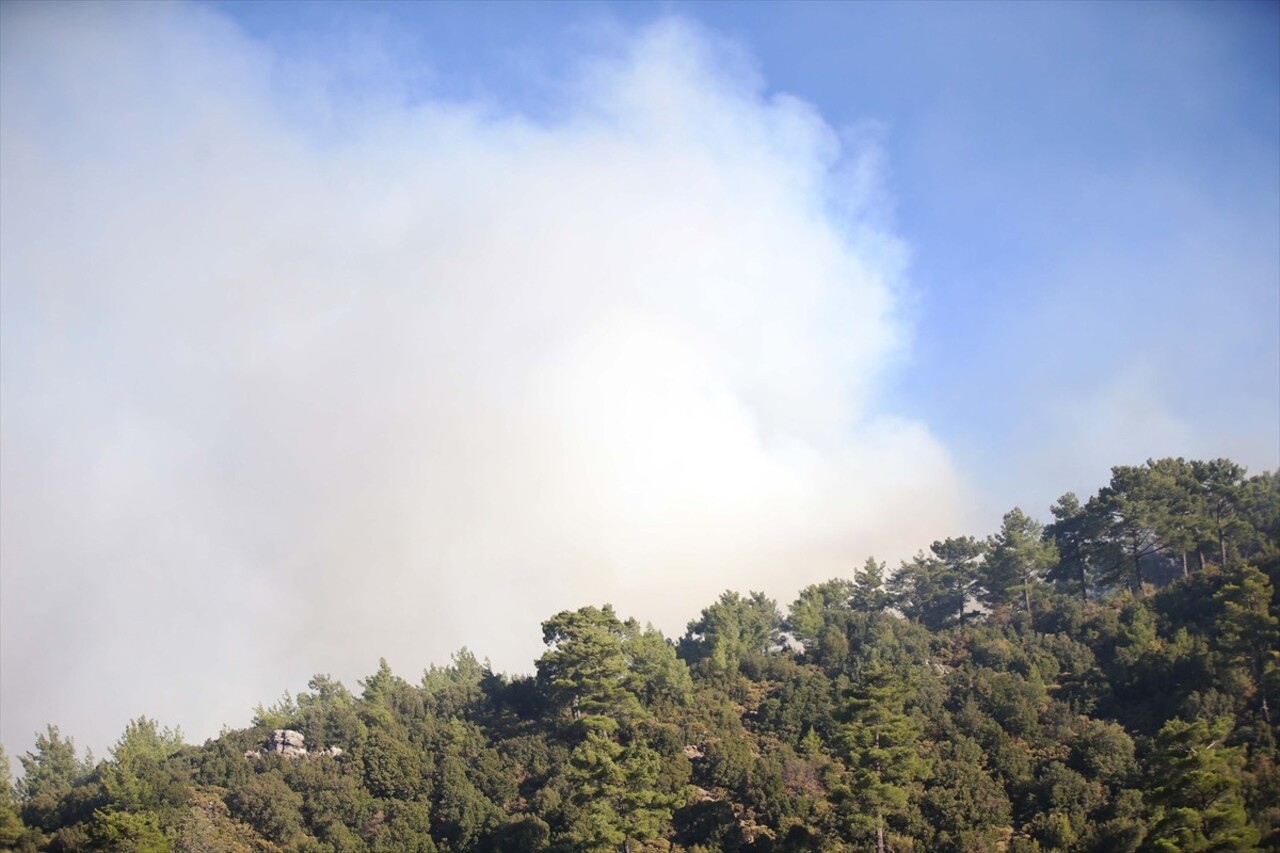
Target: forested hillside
[(1108, 682)]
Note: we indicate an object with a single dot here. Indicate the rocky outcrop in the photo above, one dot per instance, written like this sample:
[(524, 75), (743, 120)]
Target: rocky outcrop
[(290, 744)]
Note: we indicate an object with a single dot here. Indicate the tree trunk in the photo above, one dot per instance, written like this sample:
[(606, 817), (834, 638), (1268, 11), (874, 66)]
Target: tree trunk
[(1222, 536), (1200, 554), (879, 832), (1137, 572), (1185, 571)]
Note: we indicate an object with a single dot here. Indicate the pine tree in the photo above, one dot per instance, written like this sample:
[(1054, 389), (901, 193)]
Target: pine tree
[(816, 607), (586, 669), (1017, 560), (868, 588), (1074, 533), (49, 773), (734, 628), (935, 588), (1197, 785), (11, 828), (136, 776), (1127, 518), (616, 793), (1220, 484), (1247, 635), (136, 832), (879, 742)]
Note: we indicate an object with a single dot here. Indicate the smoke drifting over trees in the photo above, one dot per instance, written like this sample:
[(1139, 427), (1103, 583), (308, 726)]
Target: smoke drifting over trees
[(277, 377), (1126, 719)]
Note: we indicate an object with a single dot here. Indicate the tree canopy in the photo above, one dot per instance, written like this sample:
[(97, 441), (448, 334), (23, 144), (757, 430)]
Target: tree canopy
[(1108, 681)]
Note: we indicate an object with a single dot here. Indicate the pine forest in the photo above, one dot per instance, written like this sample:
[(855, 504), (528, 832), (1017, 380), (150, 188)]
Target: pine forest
[(1108, 681)]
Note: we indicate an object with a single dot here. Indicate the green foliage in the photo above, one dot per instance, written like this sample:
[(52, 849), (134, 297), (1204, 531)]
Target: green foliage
[(1116, 690), (388, 697), (52, 767), (935, 589), (801, 700), (616, 797), (1103, 751), (12, 830), (880, 743), (327, 715), (523, 834), (140, 775), (1248, 635), (266, 803), (655, 674), (393, 769), (463, 814), (965, 806), (128, 832), (51, 775), (207, 826), (1220, 488), (457, 688), (280, 715), (733, 629), (1073, 532), (869, 592), (811, 613), (586, 668), (1197, 782), (1018, 557)]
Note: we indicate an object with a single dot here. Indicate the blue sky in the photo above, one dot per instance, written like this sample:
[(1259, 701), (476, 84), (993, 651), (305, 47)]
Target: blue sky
[(1088, 193), (429, 320)]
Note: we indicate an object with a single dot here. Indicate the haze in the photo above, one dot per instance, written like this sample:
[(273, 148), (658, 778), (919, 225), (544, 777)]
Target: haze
[(312, 358)]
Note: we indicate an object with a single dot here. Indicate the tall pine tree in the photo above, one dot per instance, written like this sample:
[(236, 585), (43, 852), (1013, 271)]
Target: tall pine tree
[(879, 742)]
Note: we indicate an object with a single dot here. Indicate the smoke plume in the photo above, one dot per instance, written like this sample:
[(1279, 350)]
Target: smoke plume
[(294, 379)]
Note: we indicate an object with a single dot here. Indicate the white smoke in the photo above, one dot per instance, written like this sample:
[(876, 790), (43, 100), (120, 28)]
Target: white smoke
[(290, 385)]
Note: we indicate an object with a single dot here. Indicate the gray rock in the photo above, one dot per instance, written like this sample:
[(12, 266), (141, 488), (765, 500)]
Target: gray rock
[(290, 744), (282, 738)]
